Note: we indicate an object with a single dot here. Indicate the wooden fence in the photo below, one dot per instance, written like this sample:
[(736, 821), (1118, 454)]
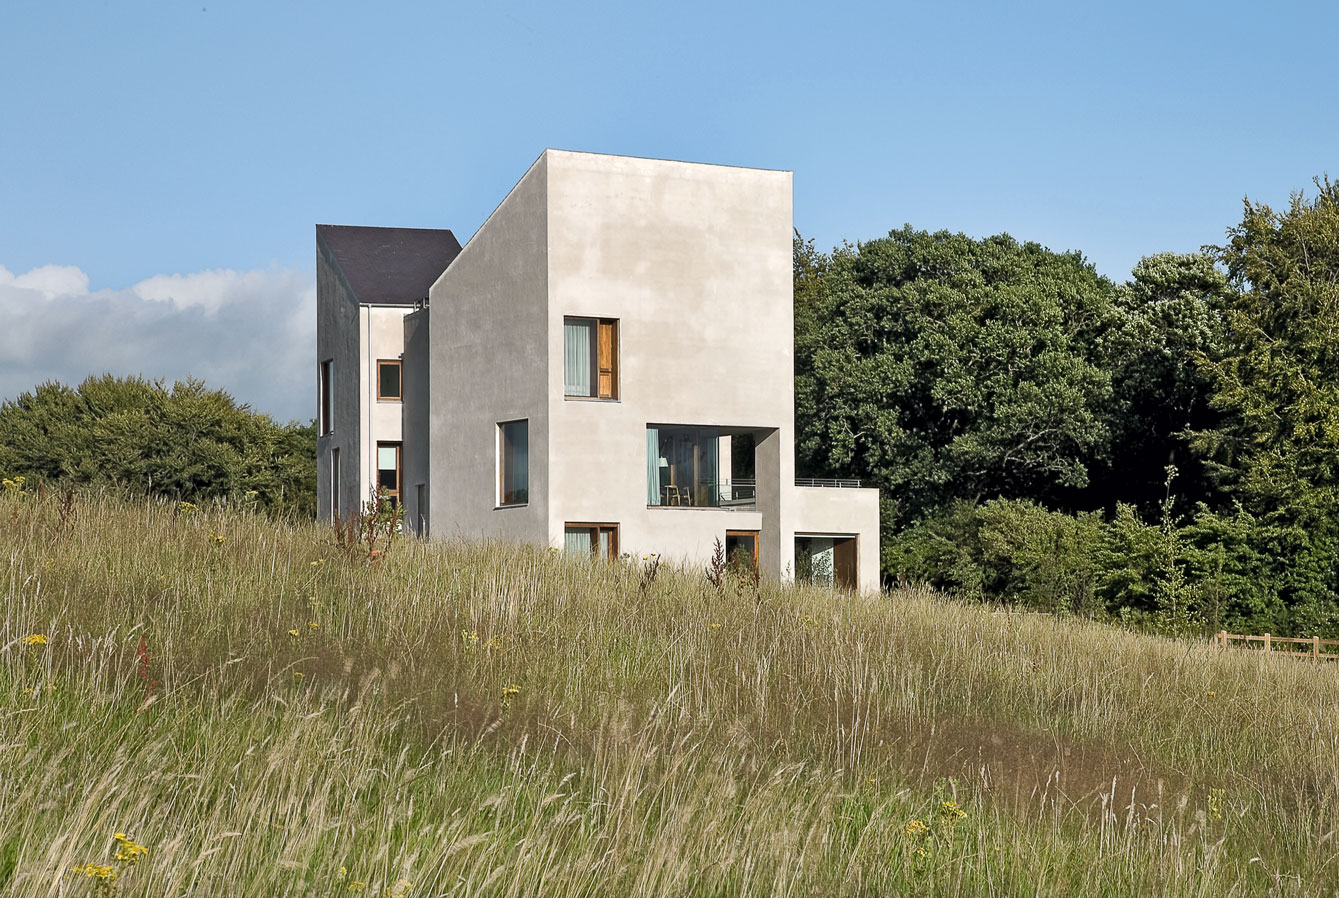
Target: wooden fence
[(1312, 651)]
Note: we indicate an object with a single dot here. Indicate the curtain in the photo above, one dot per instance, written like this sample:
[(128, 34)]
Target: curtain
[(516, 462), (577, 542), (653, 466), (578, 335)]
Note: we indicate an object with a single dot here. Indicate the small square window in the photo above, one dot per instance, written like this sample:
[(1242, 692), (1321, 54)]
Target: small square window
[(388, 379)]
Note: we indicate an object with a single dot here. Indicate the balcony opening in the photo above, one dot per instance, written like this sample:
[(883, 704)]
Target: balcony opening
[(700, 467), (826, 561)]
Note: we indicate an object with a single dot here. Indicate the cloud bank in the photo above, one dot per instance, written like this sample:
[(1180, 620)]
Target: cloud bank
[(252, 333)]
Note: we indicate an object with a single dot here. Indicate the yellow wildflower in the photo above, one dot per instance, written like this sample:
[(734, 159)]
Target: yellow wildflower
[(97, 871), (915, 829), (343, 871), (129, 851), (297, 675), (401, 889), (357, 886), (949, 810), (35, 639), (313, 625), (293, 633)]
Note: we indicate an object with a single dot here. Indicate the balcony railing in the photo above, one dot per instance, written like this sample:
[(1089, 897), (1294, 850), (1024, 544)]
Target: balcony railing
[(828, 482), (725, 494)]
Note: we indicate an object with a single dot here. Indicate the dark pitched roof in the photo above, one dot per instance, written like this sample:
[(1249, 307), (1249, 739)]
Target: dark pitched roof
[(388, 265)]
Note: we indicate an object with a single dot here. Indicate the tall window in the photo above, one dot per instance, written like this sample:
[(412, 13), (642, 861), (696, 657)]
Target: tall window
[(334, 484), (590, 357), (388, 471), (514, 463), (388, 379), (327, 389), (591, 540)]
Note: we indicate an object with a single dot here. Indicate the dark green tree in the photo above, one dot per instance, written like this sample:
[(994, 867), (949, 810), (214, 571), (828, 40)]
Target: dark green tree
[(1173, 315), (939, 367), (1276, 381), (187, 442)]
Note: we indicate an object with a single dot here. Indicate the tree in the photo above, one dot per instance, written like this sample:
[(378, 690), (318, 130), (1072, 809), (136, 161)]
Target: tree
[(189, 443), (1276, 380), (940, 367), (1173, 314)]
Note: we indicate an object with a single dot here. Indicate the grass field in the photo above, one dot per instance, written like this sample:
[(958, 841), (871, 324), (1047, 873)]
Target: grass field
[(267, 715)]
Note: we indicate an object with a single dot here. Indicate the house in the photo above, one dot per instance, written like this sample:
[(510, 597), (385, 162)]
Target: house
[(606, 367)]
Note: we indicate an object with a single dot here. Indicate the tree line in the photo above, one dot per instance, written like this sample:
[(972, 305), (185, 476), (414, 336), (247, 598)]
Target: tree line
[(185, 442), (1164, 450)]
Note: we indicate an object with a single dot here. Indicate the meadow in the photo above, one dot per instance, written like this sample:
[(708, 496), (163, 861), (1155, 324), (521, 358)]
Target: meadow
[(254, 710)]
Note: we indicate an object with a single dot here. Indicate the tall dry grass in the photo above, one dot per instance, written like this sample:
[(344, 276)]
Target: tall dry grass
[(499, 720)]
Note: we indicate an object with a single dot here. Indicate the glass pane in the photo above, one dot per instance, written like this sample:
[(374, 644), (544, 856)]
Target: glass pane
[(576, 541), (387, 458), (515, 462), (578, 335), (390, 380), (388, 480), (604, 543)]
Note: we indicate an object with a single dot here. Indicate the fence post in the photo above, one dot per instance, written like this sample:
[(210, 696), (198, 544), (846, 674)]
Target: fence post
[(1315, 648), (1266, 642), (1222, 638)]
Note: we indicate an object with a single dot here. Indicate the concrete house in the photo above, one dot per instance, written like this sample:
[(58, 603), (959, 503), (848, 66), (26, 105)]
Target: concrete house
[(606, 367)]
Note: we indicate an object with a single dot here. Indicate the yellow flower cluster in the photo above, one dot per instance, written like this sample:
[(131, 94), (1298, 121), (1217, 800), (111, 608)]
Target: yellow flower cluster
[(915, 829), (35, 639), (97, 871), (128, 851), (949, 810), (509, 692), (14, 486)]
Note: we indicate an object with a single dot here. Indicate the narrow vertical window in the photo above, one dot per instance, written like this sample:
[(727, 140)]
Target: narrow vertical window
[(590, 357), (388, 379), (388, 472), (606, 360), (327, 389), (514, 463), (334, 484)]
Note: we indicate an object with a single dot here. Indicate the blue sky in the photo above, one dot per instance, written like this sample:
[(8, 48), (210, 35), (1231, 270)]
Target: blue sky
[(162, 164)]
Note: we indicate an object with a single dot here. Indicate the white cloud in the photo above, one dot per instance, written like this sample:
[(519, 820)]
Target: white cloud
[(252, 333)]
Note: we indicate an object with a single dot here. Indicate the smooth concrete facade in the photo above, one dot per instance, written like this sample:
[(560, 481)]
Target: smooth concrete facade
[(694, 263), (488, 364)]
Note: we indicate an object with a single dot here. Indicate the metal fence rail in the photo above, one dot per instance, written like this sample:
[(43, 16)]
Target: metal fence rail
[(828, 482)]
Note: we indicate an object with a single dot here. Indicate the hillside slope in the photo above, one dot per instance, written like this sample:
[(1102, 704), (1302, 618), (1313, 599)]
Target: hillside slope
[(269, 715)]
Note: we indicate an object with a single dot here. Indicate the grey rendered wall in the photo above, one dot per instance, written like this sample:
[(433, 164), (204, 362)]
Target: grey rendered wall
[(416, 386), (695, 262), (337, 338), (489, 360)]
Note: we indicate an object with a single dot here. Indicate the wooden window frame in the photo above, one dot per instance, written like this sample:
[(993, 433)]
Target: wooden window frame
[(595, 543), (750, 533), (396, 494), (604, 358), (381, 397)]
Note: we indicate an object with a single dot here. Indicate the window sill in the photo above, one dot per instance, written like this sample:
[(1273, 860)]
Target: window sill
[(591, 399), (512, 505)]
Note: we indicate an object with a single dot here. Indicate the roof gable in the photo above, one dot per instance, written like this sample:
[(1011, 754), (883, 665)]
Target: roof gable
[(395, 266)]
